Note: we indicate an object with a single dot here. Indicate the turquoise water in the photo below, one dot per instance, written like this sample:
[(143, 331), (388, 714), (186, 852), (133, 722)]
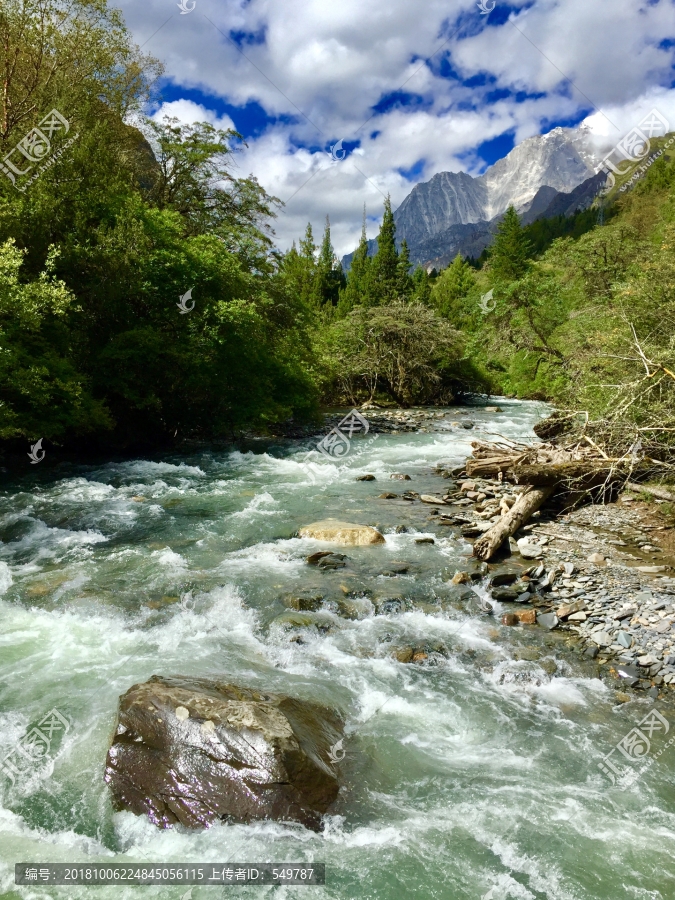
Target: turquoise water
[(476, 777)]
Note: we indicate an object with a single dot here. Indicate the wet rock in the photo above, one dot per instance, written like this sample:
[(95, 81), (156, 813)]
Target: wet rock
[(547, 620), (328, 560), (342, 533), (410, 495), (461, 578), (303, 603), (193, 751), (403, 654), (401, 529), (621, 697), (396, 569), (385, 606), (509, 619), (591, 652), (507, 594), (526, 616), (387, 496), (425, 540), (499, 579), (322, 621), (398, 476), (366, 478), (428, 498)]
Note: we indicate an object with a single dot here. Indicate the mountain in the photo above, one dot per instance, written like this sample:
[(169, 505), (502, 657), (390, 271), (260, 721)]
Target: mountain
[(455, 212)]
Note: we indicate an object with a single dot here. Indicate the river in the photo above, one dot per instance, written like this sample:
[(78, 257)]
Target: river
[(476, 777)]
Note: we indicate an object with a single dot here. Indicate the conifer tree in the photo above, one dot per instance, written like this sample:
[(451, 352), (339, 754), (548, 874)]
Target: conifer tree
[(421, 286), (384, 281), (329, 275), (405, 282), (359, 272), (451, 288), (511, 250)]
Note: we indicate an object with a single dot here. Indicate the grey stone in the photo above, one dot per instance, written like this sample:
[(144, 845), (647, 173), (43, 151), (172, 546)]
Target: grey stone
[(591, 652), (601, 638), (624, 639), (547, 620), (506, 594), (530, 551)]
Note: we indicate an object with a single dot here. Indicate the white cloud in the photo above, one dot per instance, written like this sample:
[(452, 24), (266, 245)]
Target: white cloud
[(188, 112), (336, 61)]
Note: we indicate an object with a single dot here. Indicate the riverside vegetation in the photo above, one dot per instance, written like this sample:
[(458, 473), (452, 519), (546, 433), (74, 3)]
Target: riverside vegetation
[(96, 253)]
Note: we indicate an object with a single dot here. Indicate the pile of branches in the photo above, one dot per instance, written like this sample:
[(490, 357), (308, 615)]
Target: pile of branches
[(574, 471)]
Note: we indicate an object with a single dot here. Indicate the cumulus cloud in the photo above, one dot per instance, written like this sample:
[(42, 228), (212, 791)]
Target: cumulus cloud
[(434, 82), (188, 112)]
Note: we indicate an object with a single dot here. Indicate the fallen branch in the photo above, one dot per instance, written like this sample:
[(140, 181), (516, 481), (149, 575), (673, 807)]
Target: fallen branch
[(551, 473), (656, 492), (528, 503)]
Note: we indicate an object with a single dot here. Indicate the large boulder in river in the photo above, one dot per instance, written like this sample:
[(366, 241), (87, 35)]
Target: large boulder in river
[(342, 533), (193, 751)]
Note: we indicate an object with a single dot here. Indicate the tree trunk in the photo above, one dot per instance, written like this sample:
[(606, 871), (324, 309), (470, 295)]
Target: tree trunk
[(528, 502), (595, 470), (655, 492)]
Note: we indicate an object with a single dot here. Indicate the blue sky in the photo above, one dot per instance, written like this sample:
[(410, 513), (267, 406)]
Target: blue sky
[(411, 89)]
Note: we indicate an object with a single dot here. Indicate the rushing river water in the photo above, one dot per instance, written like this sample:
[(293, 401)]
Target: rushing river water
[(473, 778)]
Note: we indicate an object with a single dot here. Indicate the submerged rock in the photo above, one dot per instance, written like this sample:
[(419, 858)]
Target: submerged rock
[(342, 533), (193, 751)]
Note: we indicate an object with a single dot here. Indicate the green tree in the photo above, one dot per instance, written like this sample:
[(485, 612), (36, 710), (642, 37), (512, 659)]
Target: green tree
[(511, 250), (405, 281), (329, 275), (357, 280), (384, 281), (451, 289)]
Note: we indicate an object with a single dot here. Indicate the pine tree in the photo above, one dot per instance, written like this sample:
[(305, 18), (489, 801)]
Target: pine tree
[(451, 288), (421, 292), (383, 284), (329, 275), (357, 278), (405, 282), (511, 250)]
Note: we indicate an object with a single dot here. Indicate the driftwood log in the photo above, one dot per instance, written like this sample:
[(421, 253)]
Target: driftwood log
[(659, 493), (528, 503), (589, 471)]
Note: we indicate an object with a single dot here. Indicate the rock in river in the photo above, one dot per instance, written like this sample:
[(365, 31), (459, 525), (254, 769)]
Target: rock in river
[(193, 751), (342, 533)]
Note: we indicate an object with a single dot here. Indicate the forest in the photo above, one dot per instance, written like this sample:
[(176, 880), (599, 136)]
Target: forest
[(143, 300)]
